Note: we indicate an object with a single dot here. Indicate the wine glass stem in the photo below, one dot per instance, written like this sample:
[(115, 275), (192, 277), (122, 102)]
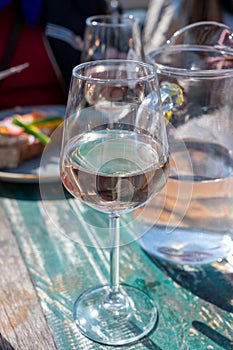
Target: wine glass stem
[(114, 228)]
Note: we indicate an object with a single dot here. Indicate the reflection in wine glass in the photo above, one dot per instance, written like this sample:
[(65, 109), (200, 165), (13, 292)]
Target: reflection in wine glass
[(114, 158), (116, 37)]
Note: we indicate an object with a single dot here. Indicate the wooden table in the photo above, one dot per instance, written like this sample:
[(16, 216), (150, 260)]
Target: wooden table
[(42, 272)]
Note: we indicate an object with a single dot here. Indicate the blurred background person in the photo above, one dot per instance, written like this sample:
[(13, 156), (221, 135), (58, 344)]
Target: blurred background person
[(32, 31)]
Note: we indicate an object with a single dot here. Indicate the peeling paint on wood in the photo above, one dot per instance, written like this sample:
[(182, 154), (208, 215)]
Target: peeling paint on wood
[(195, 304), (22, 323)]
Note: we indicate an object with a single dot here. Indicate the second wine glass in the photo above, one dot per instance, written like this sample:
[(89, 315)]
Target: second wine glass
[(112, 37)]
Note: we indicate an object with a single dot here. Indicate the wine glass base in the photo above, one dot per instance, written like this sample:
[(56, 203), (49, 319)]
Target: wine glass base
[(128, 318)]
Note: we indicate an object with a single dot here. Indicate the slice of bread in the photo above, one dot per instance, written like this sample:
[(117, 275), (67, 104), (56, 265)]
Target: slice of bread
[(16, 145)]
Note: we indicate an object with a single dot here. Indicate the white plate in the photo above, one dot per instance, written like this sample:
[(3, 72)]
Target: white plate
[(33, 170)]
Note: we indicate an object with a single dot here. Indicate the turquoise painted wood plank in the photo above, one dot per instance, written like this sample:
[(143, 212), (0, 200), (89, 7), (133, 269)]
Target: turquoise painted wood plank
[(20, 310), (195, 305)]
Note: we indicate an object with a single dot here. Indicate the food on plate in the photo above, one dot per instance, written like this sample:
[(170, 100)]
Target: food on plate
[(24, 136)]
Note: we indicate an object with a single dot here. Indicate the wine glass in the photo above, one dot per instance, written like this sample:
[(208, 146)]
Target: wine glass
[(112, 37), (114, 157)]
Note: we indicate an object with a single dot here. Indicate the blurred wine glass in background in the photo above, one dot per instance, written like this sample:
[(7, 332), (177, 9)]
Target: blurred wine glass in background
[(112, 37)]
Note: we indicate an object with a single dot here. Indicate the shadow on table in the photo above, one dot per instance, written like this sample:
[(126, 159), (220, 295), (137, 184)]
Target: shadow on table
[(148, 344), (19, 191), (4, 344), (33, 191), (212, 334), (213, 283)]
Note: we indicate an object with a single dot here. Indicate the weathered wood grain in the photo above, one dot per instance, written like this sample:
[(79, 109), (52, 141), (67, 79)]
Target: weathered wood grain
[(22, 323), (195, 304)]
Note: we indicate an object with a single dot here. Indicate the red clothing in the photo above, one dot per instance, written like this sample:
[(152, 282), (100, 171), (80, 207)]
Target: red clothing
[(36, 85)]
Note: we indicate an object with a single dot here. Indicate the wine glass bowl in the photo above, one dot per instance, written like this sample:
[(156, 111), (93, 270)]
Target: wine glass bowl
[(112, 37), (114, 158)]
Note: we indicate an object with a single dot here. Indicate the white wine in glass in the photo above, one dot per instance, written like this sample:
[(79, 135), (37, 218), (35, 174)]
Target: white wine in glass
[(114, 158)]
